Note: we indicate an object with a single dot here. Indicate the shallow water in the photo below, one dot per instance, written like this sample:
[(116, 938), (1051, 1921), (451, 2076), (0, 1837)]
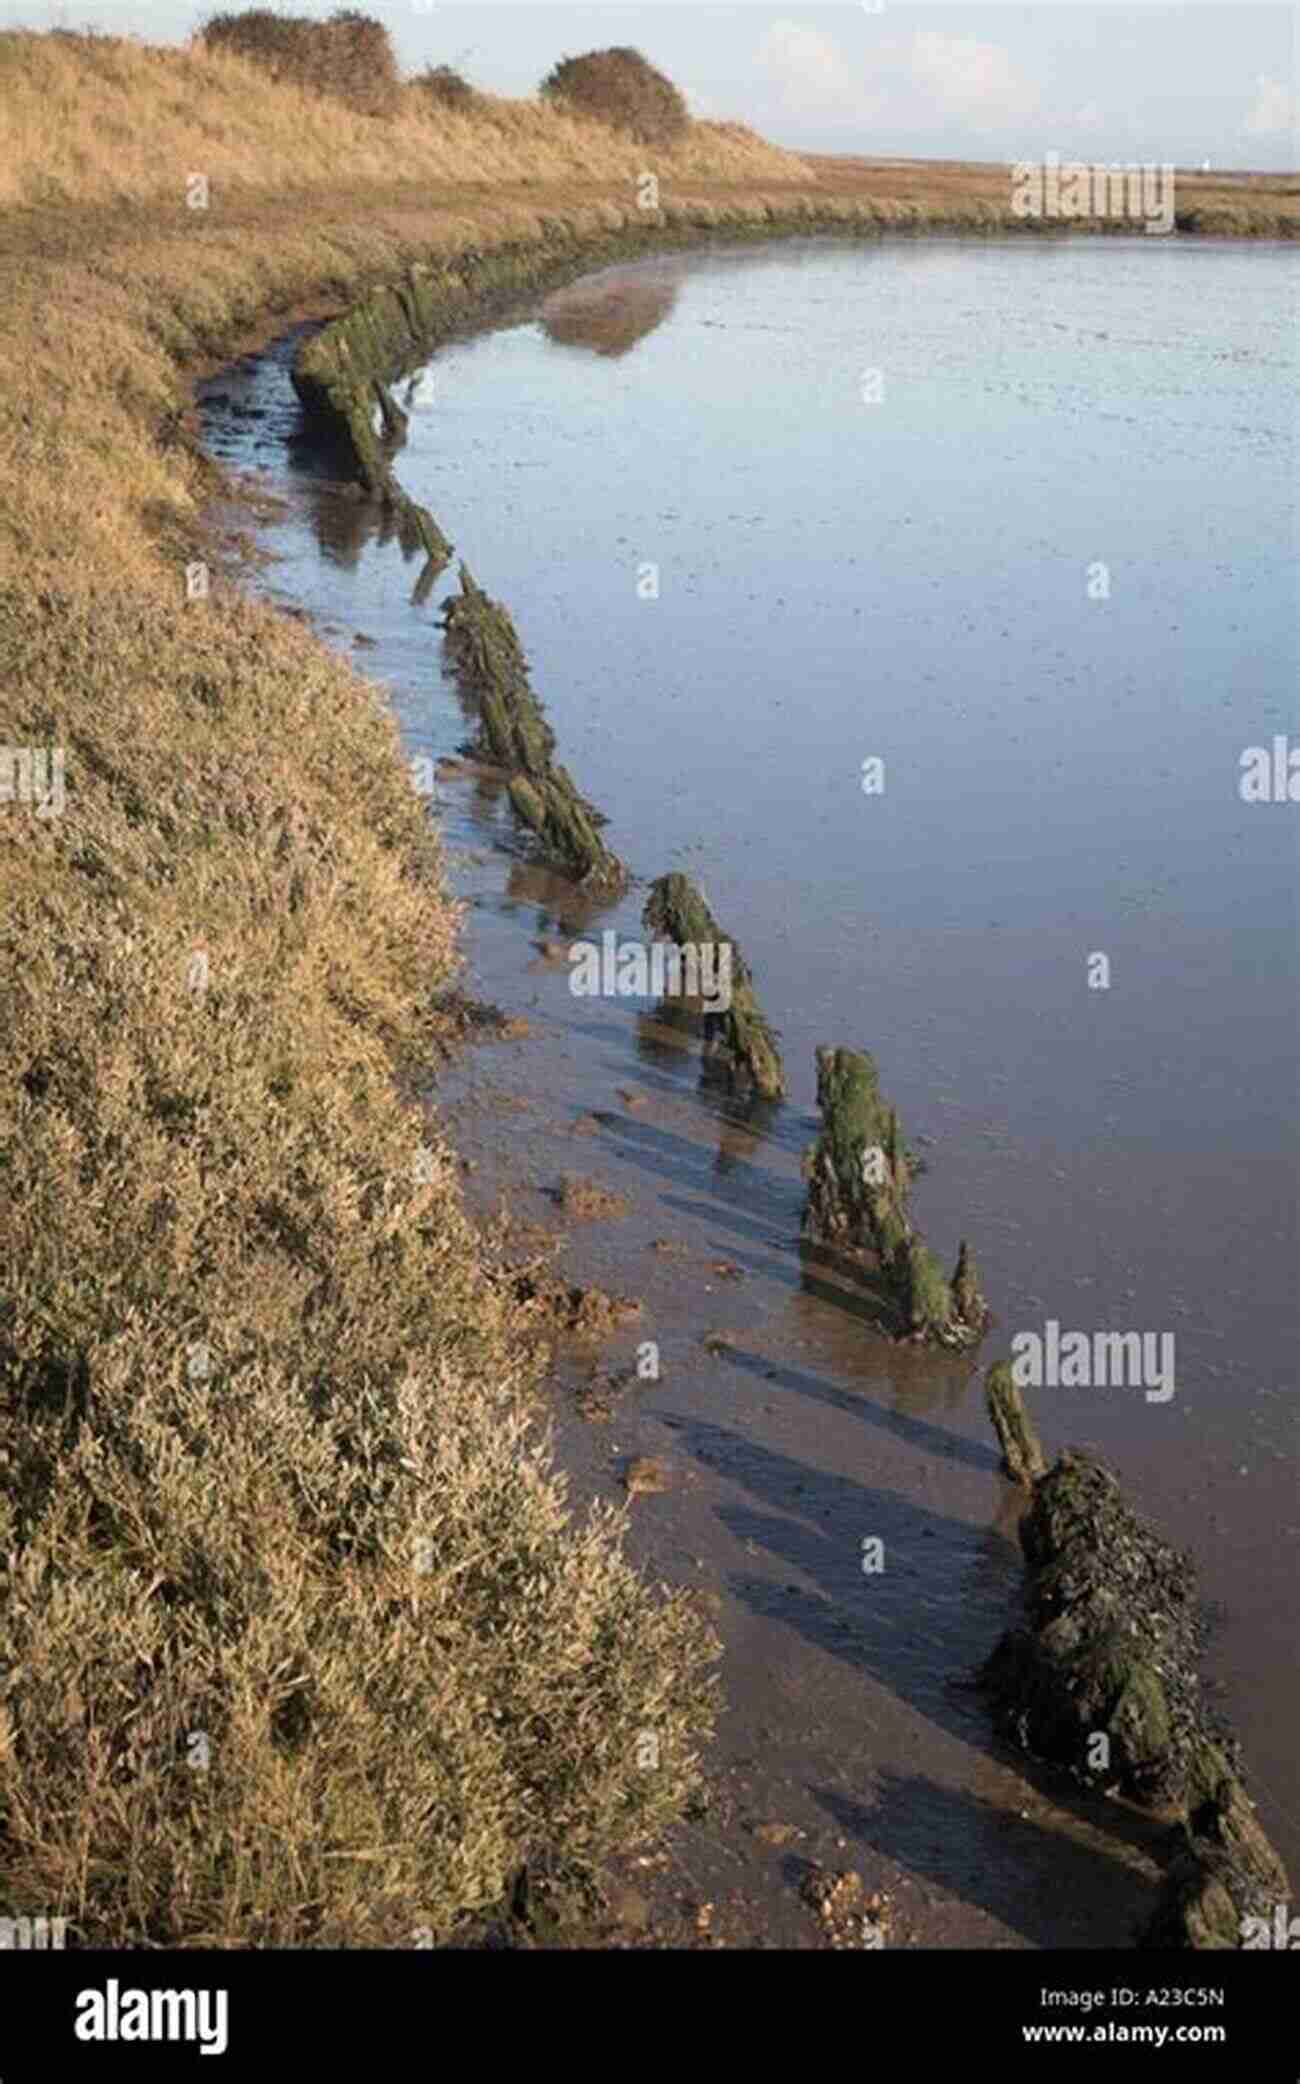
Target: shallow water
[(899, 565)]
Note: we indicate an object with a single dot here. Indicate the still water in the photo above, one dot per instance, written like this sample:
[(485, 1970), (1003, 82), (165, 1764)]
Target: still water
[(1007, 528)]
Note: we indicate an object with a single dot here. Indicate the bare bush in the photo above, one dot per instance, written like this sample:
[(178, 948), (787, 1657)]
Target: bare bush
[(348, 57), (621, 88)]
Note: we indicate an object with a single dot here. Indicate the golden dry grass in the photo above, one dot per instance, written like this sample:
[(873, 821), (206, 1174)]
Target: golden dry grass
[(302, 1643), (104, 120)]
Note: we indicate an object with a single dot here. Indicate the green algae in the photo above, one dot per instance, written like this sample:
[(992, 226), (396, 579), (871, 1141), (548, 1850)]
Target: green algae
[(1023, 1459), (859, 1176), (561, 821), (1101, 1680), (488, 661), (738, 1041)]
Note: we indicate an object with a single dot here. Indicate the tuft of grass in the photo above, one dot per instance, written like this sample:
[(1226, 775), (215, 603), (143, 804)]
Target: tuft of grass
[(622, 88)]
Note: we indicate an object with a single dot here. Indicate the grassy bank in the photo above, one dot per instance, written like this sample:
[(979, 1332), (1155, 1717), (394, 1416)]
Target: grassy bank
[(101, 120), (301, 1643)]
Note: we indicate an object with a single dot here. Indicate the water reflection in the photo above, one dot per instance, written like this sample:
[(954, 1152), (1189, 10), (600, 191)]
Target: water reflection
[(610, 313)]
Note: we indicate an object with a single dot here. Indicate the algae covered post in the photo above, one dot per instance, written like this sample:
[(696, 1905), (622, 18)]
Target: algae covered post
[(859, 1175), (739, 1041), (488, 661), (1100, 1679), (1023, 1459), (340, 376)]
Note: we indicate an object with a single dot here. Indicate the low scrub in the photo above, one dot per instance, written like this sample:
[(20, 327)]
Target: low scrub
[(444, 88), (622, 88), (347, 57)]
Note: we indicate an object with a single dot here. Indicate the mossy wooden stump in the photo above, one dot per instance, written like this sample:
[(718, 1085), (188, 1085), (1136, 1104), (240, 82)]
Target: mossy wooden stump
[(859, 1174), (1108, 1649), (739, 1043), (1225, 1884), (488, 661), (337, 377), (1023, 1459), (563, 824), (1101, 1680)]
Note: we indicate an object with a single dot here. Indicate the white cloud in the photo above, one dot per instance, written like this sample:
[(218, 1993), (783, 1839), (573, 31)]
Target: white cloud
[(1273, 110), (812, 75), (966, 78), (908, 81)]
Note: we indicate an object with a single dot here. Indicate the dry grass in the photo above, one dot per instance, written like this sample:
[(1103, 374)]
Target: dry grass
[(301, 1646), (102, 120), (301, 1643)]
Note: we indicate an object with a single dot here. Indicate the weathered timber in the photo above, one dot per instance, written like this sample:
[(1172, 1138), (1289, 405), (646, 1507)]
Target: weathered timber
[(1225, 1886), (1023, 1459), (1108, 1648), (488, 661), (561, 821), (1101, 1680), (738, 1040), (859, 1175)]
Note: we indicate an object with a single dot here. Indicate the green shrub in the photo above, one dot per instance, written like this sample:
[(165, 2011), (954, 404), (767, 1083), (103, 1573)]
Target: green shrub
[(621, 88), (348, 58)]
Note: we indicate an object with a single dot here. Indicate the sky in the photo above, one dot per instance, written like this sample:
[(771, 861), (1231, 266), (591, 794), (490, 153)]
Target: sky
[(1097, 80)]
